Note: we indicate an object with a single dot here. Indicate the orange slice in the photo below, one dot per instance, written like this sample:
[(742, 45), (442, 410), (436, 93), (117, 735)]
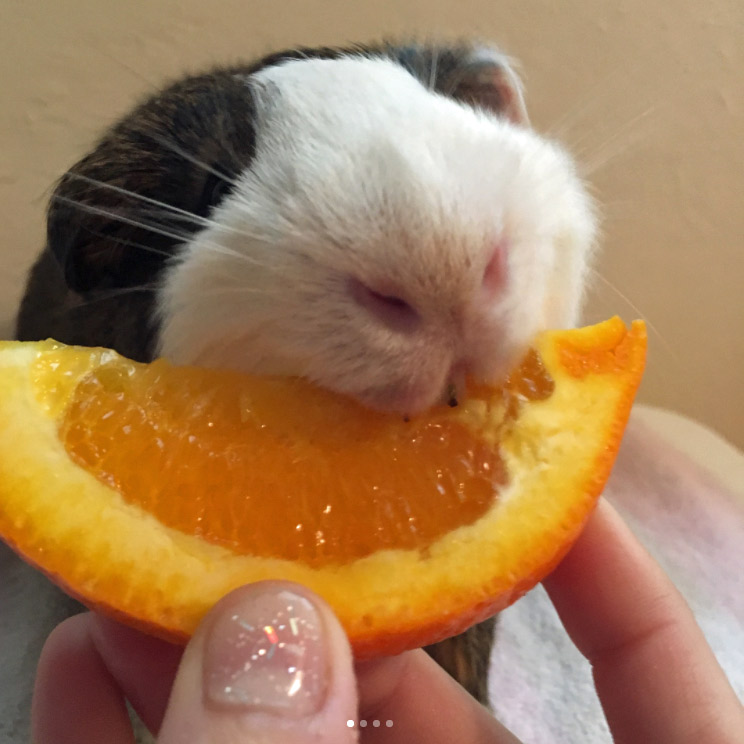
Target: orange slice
[(150, 491)]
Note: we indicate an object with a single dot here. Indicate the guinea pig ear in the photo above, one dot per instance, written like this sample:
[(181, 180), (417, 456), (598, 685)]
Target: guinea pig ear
[(479, 76), (486, 79)]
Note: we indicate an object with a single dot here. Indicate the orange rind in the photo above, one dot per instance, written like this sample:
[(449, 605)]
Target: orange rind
[(411, 530)]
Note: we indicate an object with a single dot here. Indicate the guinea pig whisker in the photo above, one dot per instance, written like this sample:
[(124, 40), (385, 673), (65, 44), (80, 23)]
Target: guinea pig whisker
[(172, 211), (121, 217), (621, 141), (152, 85), (433, 69), (602, 138), (204, 222), (131, 244), (141, 197), (100, 296), (617, 209), (637, 311), (572, 115), (599, 100), (241, 290), (109, 294), (165, 142), (180, 237), (167, 231), (167, 219)]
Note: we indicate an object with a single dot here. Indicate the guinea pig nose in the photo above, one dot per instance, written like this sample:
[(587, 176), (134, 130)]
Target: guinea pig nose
[(494, 275)]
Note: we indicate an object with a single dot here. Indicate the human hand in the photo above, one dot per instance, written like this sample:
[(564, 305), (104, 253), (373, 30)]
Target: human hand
[(655, 674)]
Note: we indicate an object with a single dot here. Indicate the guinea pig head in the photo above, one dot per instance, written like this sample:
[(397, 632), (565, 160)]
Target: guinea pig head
[(382, 220), (387, 240)]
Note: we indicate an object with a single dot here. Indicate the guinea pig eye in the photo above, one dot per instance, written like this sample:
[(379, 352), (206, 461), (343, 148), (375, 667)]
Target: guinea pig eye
[(391, 310), (216, 188)]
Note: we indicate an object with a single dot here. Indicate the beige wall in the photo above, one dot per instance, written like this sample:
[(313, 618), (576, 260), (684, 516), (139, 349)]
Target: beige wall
[(649, 95)]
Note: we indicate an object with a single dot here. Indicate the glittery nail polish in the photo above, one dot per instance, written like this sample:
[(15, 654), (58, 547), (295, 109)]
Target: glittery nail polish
[(268, 652)]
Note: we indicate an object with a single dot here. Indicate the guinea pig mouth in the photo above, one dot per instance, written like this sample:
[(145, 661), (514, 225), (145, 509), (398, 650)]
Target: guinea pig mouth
[(454, 390), (451, 395), (412, 397), (409, 399)]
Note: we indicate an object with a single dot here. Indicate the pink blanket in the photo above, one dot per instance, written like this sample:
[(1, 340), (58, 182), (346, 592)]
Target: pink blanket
[(693, 524)]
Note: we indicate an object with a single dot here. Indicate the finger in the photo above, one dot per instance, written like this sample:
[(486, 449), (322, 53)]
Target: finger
[(415, 702), (144, 667), (655, 674), (269, 664), (76, 700), (410, 691)]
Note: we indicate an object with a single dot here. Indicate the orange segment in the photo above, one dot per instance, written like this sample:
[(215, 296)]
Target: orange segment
[(213, 454), (150, 491)]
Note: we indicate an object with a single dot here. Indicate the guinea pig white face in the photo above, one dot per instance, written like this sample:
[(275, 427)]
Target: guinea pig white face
[(385, 241)]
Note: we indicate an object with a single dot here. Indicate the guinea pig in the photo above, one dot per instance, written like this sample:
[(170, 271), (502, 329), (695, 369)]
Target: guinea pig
[(380, 220)]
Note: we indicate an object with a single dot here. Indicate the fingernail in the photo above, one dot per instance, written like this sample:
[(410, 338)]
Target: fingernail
[(268, 652)]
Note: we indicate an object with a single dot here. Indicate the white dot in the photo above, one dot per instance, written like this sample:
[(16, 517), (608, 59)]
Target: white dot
[(389, 723), (376, 723), (350, 724), (362, 723)]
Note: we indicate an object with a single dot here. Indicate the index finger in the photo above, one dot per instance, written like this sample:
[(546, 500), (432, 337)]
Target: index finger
[(655, 674)]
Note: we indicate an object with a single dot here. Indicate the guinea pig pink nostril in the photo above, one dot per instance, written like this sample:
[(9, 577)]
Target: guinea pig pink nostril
[(494, 276)]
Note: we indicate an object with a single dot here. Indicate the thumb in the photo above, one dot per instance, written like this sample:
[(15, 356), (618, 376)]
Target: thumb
[(269, 664)]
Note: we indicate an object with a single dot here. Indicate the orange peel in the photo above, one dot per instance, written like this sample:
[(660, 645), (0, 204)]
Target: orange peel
[(89, 529)]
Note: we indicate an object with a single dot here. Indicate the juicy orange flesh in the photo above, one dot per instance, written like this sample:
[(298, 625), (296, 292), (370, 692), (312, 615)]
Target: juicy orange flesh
[(201, 453), (581, 362)]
